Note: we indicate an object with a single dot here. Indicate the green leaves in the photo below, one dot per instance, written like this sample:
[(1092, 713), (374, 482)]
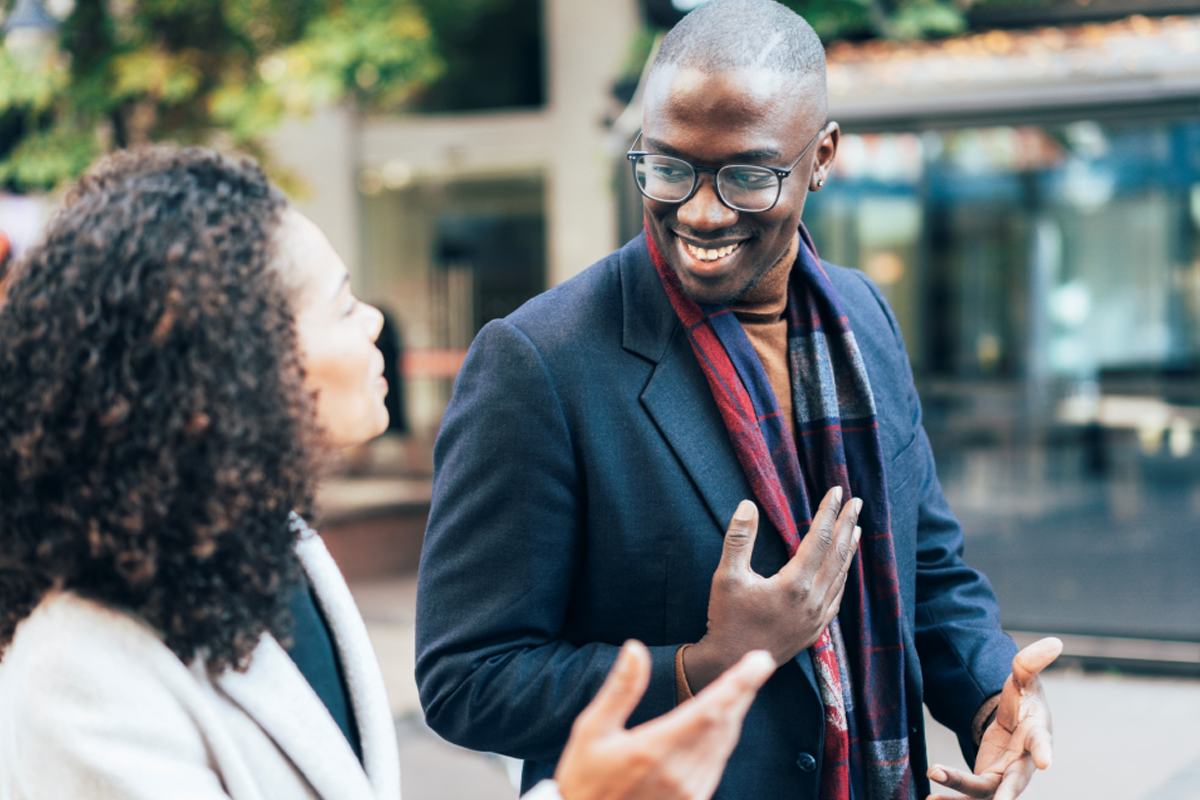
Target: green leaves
[(904, 19), (199, 70), (45, 158)]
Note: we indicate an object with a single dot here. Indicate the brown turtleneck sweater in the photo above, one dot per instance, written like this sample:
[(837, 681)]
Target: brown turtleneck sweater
[(762, 314)]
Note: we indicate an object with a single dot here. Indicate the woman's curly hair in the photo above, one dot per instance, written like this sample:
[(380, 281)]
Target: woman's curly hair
[(155, 432)]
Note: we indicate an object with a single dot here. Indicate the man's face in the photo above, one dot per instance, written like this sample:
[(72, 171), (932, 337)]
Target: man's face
[(736, 117)]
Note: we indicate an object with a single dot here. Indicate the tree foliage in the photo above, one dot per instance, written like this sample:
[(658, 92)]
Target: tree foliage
[(901, 19), (213, 71)]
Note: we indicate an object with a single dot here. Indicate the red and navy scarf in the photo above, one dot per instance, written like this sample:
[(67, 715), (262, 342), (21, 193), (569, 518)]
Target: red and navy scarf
[(860, 676)]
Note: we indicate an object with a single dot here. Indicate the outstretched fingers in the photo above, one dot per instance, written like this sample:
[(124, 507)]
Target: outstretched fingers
[(1040, 744), (708, 726), (983, 786), (734, 691), (620, 694)]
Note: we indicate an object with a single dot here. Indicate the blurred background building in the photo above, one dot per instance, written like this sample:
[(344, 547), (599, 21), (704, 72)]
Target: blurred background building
[(1021, 177)]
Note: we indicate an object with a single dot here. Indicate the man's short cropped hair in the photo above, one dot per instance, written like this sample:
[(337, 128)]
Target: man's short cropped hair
[(724, 35)]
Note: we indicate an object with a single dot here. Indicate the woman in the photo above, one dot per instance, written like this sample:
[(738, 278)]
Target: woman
[(176, 357)]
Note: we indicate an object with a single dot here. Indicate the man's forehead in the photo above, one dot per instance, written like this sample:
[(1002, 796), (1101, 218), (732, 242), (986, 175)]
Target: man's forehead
[(744, 109), (729, 95)]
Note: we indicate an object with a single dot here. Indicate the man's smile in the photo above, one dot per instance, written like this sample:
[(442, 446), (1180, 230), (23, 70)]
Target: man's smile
[(708, 258), (711, 254)]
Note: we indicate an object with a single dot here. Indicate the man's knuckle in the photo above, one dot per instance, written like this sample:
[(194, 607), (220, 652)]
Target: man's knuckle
[(737, 537), (799, 591), (709, 716)]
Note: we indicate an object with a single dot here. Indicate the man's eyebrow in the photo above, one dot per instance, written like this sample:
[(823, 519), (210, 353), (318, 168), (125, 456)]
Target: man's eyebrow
[(759, 154)]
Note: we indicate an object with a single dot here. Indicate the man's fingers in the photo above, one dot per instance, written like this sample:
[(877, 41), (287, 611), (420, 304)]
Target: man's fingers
[(711, 723), (738, 684), (739, 538), (1035, 658), (621, 692), (983, 786), (1015, 779), (835, 559), (1040, 745)]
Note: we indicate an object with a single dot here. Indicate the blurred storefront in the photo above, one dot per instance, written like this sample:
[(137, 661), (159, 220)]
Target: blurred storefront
[(1029, 201), (497, 186)]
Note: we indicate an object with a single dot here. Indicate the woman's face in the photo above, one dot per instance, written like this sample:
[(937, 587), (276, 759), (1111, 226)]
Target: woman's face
[(336, 333)]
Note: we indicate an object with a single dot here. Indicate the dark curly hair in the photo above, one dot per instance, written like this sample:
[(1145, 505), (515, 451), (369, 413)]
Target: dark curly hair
[(155, 432)]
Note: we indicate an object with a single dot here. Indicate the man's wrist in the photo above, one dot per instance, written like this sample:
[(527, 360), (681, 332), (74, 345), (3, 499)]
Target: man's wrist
[(700, 666), (683, 691), (984, 718)]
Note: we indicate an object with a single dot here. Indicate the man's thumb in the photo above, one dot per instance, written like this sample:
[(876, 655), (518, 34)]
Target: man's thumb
[(622, 690), (1034, 658), (739, 537)]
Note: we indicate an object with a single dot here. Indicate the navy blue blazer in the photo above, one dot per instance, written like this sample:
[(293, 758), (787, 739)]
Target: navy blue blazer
[(583, 483)]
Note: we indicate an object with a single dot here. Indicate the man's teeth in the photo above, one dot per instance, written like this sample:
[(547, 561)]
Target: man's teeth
[(704, 254)]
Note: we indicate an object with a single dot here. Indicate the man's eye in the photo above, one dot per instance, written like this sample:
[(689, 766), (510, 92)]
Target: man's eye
[(668, 173), (752, 179)]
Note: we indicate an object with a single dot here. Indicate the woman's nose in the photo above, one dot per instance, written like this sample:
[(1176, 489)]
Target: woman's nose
[(372, 321)]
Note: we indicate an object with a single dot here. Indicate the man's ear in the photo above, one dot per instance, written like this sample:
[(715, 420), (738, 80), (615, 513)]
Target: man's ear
[(826, 152)]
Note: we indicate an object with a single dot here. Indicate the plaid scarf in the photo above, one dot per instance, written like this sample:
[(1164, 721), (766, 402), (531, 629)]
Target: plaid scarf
[(861, 680)]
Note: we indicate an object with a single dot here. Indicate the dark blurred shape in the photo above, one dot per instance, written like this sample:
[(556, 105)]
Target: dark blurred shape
[(5, 256), (391, 344), (661, 13), (494, 55), (501, 259), (989, 14)]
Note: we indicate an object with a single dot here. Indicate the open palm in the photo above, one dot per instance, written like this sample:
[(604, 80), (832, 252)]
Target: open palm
[(1018, 741)]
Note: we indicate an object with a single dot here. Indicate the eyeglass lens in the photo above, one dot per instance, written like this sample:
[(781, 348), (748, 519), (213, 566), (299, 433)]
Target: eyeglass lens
[(670, 180)]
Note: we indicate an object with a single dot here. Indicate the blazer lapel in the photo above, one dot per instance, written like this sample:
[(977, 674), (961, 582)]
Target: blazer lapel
[(275, 694), (677, 396), (364, 679)]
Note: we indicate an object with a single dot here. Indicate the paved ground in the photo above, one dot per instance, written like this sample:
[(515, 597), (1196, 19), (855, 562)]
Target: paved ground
[(1114, 554), (1118, 737)]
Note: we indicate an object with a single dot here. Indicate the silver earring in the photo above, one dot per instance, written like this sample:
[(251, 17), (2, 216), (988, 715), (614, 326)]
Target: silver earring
[(820, 182)]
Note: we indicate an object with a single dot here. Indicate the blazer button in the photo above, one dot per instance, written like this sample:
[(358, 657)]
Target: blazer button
[(806, 762)]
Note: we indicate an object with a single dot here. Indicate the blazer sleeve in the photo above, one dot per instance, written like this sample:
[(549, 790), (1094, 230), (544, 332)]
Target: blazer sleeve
[(965, 656), (502, 558)]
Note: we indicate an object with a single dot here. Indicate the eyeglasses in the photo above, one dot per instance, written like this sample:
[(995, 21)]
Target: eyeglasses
[(742, 187)]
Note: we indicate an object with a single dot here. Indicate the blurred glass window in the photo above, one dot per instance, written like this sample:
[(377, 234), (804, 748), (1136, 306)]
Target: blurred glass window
[(1047, 280)]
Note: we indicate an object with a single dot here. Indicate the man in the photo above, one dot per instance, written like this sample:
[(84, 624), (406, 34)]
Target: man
[(600, 438)]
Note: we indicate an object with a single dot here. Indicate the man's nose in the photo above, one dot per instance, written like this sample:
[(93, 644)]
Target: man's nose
[(704, 211)]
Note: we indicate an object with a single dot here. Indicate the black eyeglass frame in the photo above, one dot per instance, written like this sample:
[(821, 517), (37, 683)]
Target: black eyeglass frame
[(780, 174)]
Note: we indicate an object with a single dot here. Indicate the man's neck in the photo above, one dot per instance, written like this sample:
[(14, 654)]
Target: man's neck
[(766, 300)]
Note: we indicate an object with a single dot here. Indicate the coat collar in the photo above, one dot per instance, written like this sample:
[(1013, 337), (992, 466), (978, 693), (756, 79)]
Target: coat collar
[(274, 693)]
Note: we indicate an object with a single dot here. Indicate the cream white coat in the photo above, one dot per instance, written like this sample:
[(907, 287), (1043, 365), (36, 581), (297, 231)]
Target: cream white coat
[(94, 705)]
